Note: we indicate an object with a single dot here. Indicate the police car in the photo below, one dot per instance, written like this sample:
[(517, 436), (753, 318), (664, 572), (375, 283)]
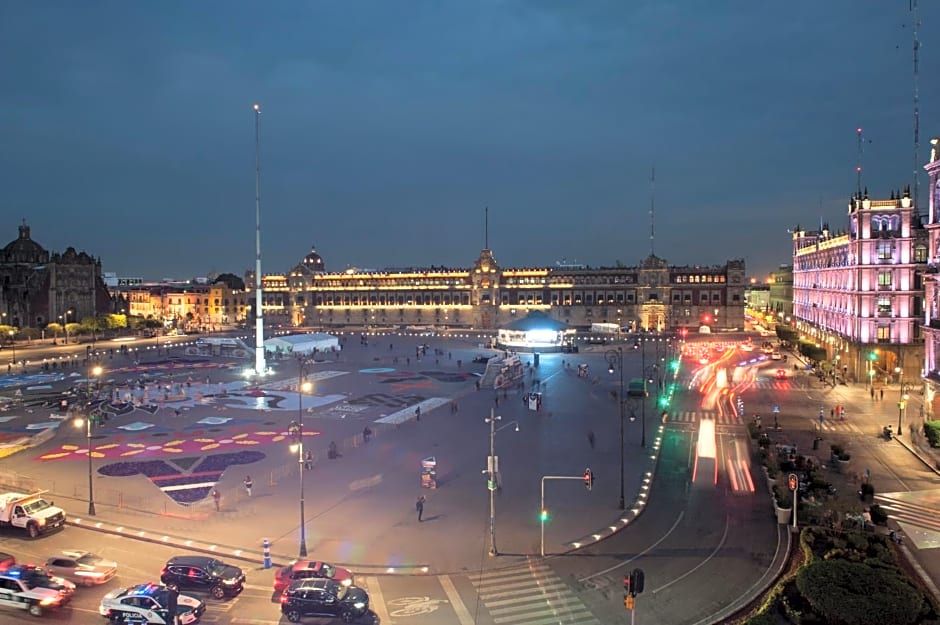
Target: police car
[(148, 603), (30, 588)]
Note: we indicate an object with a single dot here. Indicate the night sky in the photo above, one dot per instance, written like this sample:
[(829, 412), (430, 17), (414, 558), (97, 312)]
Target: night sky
[(388, 126)]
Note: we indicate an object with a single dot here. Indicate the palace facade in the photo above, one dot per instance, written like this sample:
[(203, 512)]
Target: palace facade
[(650, 296)]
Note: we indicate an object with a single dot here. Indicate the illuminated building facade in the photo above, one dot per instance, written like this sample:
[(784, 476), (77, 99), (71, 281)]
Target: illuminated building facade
[(932, 290), (188, 306), (859, 293), (485, 296)]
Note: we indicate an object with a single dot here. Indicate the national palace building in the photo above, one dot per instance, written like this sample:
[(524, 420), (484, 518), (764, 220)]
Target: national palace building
[(651, 296)]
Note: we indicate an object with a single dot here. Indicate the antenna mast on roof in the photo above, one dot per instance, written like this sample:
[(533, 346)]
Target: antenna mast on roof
[(486, 228), (652, 209), (913, 7), (858, 165)]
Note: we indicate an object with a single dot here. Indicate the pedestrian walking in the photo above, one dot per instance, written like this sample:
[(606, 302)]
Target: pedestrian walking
[(308, 460), (418, 413), (872, 389), (248, 485), (366, 434), (496, 399), (881, 394), (419, 506), (591, 438), (217, 498)]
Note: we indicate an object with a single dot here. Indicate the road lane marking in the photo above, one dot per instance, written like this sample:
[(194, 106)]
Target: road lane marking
[(376, 599), (463, 615), (714, 552), (642, 553)]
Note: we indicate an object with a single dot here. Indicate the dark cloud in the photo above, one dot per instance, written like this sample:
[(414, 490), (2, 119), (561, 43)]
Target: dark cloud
[(387, 127)]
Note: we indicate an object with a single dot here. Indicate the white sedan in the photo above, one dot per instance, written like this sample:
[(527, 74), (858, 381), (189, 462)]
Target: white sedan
[(81, 567)]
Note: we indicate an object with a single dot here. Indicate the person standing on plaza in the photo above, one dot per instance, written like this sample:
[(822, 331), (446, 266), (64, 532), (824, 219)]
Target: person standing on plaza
[(418, 413), (419, 506), (248, 485), (308, 460), (217, 498)]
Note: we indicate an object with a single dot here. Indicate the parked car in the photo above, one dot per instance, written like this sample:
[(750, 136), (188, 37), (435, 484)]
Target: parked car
[(148, 603), (81, 567), (203, 574), (323, 598), (305, 569), (30, 588), (6, 561)]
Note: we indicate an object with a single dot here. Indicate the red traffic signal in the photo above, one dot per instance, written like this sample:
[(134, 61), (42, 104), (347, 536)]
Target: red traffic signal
[(793, 481), (588, 479), (626, 584)]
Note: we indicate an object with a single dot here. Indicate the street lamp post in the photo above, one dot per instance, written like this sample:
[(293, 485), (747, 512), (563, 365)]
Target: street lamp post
[(492, 470), (93, 372), (642, 349), (13, 345), (615, 357), (302, 387)]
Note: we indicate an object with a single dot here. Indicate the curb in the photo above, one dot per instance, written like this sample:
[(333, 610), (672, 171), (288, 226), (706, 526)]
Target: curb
[(228, 551)]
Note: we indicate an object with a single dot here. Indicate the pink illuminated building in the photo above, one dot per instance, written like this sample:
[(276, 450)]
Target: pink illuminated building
[(932, 289), (859, 293)]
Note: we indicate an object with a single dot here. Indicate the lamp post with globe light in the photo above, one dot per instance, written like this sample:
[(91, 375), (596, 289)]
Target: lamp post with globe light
[(492, 472), (615, 359), (93, 372)]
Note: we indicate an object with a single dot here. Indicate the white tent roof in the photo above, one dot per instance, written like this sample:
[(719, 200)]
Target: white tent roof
[(301, 342)]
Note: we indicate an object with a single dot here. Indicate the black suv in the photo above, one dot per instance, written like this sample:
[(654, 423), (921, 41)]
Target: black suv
[(203, 574), (323, 597)]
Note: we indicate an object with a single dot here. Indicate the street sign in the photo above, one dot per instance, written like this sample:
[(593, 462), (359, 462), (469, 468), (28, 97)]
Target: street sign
[(793, 481), (776, 408)]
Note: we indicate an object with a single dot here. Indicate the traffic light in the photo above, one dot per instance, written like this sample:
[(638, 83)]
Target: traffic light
[(636, 581), (664, 401), (872, 356), (674, 365), (626, 584), (588, 479), (543, 515)]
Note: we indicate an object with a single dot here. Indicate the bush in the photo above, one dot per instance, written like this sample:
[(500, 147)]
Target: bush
[(867, 490), (782, 497), (878, 515), (932, 432), (841, 592)]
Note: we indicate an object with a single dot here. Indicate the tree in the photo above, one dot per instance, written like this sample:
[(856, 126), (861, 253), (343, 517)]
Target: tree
[(117, 322), (55, 328)]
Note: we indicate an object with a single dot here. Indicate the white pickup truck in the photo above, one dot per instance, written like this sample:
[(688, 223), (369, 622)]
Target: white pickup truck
[(31, 513)]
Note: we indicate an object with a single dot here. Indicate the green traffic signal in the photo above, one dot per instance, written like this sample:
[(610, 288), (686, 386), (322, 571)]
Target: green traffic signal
[(872, 356), (543, 515), (675, 365)]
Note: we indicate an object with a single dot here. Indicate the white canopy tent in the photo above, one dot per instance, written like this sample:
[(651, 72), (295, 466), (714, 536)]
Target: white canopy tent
[(302, 343)]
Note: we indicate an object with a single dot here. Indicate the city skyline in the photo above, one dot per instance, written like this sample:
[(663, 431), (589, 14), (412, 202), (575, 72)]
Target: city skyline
[(386, 133)]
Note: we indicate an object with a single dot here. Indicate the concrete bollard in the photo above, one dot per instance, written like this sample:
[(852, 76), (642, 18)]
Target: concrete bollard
[(267, 553)]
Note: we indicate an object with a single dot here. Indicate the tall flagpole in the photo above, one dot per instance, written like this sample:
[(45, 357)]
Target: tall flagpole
[(259, 319)]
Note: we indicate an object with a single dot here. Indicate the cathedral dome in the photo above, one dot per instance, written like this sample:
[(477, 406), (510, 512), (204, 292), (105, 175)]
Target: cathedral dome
[(24, 250), (313, 261)]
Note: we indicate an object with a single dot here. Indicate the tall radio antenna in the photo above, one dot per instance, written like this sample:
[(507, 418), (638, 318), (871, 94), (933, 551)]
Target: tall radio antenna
[(652, 210), (486, 228), (858, 165), (916, 19)]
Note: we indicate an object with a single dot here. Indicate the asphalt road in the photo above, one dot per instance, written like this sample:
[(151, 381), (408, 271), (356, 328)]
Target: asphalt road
[(685, 539)]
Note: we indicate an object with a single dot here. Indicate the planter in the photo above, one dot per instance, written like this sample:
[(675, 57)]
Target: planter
[(784, 515)]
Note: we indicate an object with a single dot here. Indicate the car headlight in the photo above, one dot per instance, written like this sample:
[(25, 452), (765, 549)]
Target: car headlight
[(359, 605), (230, 582)]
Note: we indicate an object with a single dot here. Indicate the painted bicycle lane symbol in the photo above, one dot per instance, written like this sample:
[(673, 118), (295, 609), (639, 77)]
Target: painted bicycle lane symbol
[(414, 606)]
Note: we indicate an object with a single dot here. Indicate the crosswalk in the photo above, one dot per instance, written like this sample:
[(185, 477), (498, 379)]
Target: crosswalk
[(835, 425), (917, 513), (695, 416), (531, 595)]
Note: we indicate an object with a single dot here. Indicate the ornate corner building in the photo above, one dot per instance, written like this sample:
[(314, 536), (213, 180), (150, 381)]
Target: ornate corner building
[(859, 293), (932, 290), (651, 296), (39, 287)]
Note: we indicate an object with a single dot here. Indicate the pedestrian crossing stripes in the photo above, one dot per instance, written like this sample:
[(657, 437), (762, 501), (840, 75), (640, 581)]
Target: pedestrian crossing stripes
[(531, 595), (917, 513), (773, 384), (834, 425), (693, 416)]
